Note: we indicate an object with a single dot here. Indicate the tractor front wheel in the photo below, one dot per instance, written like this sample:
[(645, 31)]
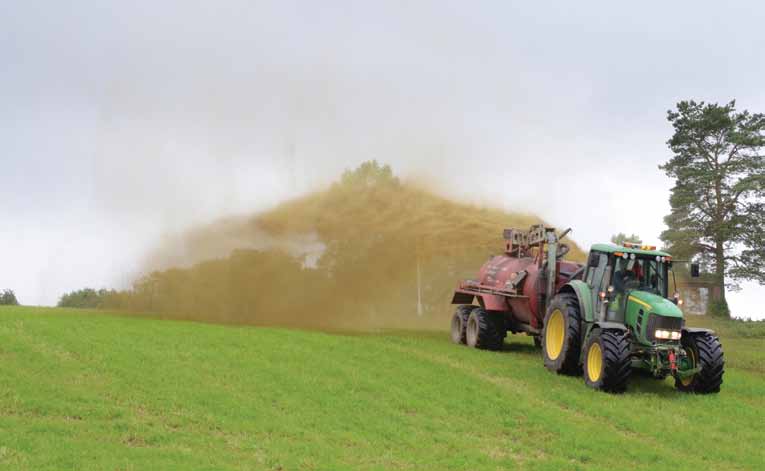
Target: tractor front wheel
[(560, 335), (484, 330), (459, 324), (705, 351), (607, 360)]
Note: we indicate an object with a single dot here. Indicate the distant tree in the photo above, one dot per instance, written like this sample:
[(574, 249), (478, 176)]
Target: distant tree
[(86, 298), (8, 298), (368, 174), (718, 201), (621, 238)]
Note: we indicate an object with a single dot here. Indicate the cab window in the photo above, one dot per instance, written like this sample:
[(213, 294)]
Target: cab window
[(641, 273)]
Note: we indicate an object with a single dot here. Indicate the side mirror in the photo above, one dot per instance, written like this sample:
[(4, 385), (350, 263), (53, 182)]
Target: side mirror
[(594, 260), (694, 270)]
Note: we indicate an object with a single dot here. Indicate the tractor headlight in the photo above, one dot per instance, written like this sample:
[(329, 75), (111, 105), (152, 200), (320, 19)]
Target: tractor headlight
[(667, 334)]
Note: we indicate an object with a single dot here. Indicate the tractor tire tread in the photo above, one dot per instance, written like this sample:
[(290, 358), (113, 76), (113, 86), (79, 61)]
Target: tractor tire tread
[(712, 362), (490, 336), (462, 313), (616, 358)]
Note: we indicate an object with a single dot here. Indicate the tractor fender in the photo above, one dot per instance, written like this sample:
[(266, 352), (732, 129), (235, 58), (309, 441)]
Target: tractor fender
[(610, 326), (583, 295), (696, 330), (461, 297)]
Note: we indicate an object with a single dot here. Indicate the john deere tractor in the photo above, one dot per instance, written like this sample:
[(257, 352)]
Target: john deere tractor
[(604, 319), (633, 323)]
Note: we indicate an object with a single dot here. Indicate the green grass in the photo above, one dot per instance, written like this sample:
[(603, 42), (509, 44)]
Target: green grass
[(81, 390)]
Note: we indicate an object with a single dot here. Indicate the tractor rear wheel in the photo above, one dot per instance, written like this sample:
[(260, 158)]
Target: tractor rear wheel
[(561, 335), (704, 350), (484, 331), (607, 360), (459, 323)]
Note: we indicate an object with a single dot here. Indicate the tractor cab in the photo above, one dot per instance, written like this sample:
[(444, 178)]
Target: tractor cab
[(630, 286)]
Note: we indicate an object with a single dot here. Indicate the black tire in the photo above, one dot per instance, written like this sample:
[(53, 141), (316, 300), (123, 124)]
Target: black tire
[(612, 370), (704, 350), (484, 331), (459, 323), (562, 358)]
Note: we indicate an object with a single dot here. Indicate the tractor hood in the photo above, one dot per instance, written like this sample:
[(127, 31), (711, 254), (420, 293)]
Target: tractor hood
[(655, 304)]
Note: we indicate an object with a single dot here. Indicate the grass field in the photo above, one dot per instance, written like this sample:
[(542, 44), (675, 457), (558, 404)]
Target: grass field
[(82, 390)]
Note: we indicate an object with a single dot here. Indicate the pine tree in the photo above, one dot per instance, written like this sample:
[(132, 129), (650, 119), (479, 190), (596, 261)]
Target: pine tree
[(718, 200)]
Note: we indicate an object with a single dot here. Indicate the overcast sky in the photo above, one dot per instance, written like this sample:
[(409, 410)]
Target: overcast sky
[(124, 121)]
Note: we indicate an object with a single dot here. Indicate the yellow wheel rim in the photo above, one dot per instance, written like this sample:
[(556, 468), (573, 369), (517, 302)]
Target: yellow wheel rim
[(554, 334), (594, 362), (689, 379)]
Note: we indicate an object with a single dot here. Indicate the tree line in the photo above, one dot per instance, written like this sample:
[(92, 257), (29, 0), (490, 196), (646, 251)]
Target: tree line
[(89, 298)]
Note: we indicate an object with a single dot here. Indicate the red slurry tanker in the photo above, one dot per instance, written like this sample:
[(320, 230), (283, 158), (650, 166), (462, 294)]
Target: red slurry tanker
[(602, 319)]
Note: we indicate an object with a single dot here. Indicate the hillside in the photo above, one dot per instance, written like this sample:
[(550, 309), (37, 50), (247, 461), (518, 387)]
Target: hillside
[(81, 390), (348, 257)]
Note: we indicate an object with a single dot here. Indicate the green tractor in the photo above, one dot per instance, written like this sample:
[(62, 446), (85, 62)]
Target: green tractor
[(604, 319), (623, 318)]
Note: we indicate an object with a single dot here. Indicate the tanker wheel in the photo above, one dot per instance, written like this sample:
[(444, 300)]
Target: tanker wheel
[(704, 350), (607, 364), (561, 335), (483, 330), (459, 323)]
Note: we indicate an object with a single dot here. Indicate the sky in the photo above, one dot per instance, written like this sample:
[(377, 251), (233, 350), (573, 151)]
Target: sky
[(122, 122)]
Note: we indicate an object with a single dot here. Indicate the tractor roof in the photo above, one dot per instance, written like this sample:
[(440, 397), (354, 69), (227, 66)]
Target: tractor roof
[(636, 249)]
